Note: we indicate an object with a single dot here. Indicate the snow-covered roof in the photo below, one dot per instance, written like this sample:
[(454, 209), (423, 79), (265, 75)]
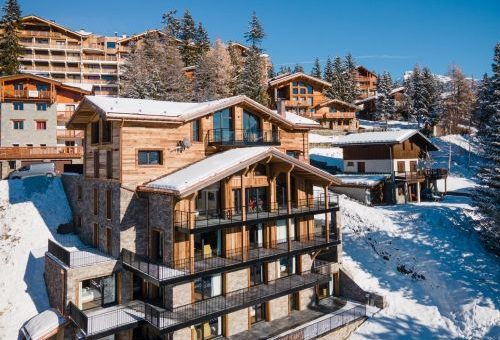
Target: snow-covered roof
[(298, 119), (397, 89), (42, 324), (382, 137), (83, 86), (216, 167), (337, 101), (291, 76), (361, 180)]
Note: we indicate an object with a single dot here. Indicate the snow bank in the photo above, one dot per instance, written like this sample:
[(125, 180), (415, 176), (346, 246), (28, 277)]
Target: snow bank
[(30, 211)]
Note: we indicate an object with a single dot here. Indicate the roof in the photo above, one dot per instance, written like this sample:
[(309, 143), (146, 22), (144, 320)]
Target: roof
[(337, 101), (365, 69), (397, 89), (298, 119), (173, 112), (384, 137), (291, 76), (140, 35), (43, 324), (361, 180), (83, 86), (68, 86), (216, 167), (52, 23)]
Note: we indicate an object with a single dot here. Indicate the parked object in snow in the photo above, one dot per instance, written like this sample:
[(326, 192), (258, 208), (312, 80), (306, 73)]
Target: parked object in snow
[(39, 169)]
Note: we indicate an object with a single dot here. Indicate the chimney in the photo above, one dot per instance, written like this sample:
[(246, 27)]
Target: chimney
[(280, 107), (116, 34)]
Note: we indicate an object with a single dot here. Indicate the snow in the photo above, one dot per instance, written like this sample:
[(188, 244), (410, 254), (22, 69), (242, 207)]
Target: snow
[(390, 124), (83, 86), (331, 156), (377, 137), (296, 119), (364, 180), (43, 323), (426, 258), (30, 211), (207, 168)]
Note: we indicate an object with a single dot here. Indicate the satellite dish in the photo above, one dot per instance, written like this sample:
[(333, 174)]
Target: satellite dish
[(187, 143)]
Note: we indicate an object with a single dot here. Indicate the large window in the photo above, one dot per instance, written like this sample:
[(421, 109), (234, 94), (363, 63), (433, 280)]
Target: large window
[(251, 127), (98, 292), (257, 313), (256, 199), (223, 125), (209, 330), (150, 157), (207, 286)]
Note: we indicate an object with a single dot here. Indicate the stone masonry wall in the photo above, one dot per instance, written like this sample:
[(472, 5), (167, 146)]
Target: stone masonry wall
[(55, 280), (236, 321)]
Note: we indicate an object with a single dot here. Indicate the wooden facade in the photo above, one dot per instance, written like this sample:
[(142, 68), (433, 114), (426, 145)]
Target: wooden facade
[(366, 81)]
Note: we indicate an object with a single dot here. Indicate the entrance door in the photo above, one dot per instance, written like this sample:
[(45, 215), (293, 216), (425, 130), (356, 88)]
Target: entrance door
[(156, 245), (361, 167)]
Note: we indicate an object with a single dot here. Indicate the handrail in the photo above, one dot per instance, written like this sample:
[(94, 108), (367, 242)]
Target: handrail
[(10, 152), (78, 258), (243, 136), (252, 211), (26, 94)]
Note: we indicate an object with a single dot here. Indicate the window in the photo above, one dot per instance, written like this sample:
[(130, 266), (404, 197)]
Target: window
[(109, 197), (350, 163), (41, 106), (309, 89), (257, 313), (207, 286), (109, 164), (94, 138), (401, 166), (413, 166), (41, 125), (110, 44), (96, 201), (150, 157), (208, 330), (106, 131), (98, 292), (295, 91), (18, 124), (293, 153), (333, 109), (18, 87), (41, 87), (195, 126), (12, 165), (361, 167), (223, 125), (18, 106)]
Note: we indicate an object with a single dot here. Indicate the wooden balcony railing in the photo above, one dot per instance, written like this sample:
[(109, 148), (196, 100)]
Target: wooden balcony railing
[(40, 152), (27, 94), (296, 103), (64, 116), (69, 134)]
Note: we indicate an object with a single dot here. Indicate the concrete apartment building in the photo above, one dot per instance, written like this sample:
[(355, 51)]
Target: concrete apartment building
[(33, 114), (203, 220), (304, 95)]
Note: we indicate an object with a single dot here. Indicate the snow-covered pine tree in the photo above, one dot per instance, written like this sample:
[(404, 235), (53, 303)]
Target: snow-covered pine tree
[(351, 89), (236, 69), (433, 91), (338, 89), (416, 96), (188, 34), (459, 102), (213, 74), (201, 40), (154, 70), (385, 108), (253, 79), (298, 68), (316, 69), (284, 69), (328, 71), (486, 195), (171, 24), (10, 50), (484, 107)]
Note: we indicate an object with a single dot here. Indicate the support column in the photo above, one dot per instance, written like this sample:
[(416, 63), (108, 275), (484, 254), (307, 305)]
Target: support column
[(289, 208), (418, 192), (243, 216), (327, 217), (406, 192)]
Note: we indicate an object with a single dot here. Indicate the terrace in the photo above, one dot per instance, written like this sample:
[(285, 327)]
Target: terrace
[(40, 152), (74, 257), (231, 137)]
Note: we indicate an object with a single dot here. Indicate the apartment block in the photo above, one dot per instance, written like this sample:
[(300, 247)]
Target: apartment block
[(202, 220), (33, 114)]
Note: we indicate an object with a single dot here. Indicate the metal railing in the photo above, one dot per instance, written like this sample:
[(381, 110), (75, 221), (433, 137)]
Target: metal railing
[(325, 325), (252, 211), (212, 307), (78, 258), (167, 271), (242, 137)]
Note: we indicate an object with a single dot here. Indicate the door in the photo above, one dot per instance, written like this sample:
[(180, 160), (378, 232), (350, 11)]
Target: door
[(401, 166), (156, 246), (361, 167)]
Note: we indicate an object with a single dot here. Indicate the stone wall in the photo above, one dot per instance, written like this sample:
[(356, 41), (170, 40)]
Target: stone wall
[(160, 218), (55, 281), (236, 322), (278, 308), (178, 295), (350, 289), (307, 298)]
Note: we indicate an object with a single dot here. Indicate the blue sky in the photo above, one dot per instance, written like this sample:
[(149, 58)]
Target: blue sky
[(382, 35)]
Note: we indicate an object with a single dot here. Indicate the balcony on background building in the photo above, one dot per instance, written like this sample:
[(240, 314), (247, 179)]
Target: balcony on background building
[(40, 152), (63, 133), (27, 94)]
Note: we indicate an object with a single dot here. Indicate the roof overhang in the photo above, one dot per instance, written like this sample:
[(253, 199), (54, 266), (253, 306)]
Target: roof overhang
[(339, 102), (417, 137), (52, 23), (298, 75)]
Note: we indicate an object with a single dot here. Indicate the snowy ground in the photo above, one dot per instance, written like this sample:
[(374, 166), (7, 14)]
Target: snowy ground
[(425, 258), (30, 211)]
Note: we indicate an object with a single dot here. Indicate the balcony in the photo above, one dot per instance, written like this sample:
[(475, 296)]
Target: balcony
[(186, 269), (78, 257), (63, 133), (27, 94), (296, 103), (40, 152), (229, 137), (229, 217), (64, 116)]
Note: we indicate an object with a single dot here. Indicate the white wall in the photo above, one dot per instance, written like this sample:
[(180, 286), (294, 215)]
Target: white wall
[(377, 165)]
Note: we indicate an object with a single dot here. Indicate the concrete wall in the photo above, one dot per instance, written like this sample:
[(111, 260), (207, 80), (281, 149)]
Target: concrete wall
[(360, 194), (350, 289)]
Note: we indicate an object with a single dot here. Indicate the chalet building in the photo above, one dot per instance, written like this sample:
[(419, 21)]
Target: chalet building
[(304, 95), (368, 105), (34, 111), (69, 56), (402, 154), (366, 81), (202, 220)]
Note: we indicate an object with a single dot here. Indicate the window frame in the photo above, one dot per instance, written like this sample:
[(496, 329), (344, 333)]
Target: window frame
[(138, 159), (18, 106), (44, 125), (19, 122)]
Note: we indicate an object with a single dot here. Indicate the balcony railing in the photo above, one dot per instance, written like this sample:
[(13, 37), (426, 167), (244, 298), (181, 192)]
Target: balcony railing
[(63, 133), (40, 152), (27, 94), (86, 256), (232, 137), (251, 212), (185, 269), (193, 313)]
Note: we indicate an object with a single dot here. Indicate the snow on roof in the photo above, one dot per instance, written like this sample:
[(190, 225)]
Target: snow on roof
[(297, 119), (362, 180), (83, 32), (206, 168), (150, 107), (397, 89), (86, 87), (378, 137), (42, 324), (291, 76)]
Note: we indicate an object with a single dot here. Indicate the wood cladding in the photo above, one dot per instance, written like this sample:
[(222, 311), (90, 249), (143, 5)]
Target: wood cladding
[(405, 150)]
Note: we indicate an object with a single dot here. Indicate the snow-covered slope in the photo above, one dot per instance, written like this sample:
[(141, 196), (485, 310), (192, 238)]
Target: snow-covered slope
[(30, 211)]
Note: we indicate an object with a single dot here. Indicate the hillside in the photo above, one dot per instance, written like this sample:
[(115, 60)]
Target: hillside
[(30, 211)]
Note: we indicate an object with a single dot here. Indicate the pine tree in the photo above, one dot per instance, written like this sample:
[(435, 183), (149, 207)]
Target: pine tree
[(432, 93), (271, 73), (298, 68), (284, 69), (253, 79), (328, 71), (457, 107), (316, 69), (213, 74), (351, 88), (486, 195), (171, 24), (188, 34), (484, 107), (337, 90), (10, 50), (256, 33), (385, 107), (416, 96), (154, 70), (236, 70), (201, 40)]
